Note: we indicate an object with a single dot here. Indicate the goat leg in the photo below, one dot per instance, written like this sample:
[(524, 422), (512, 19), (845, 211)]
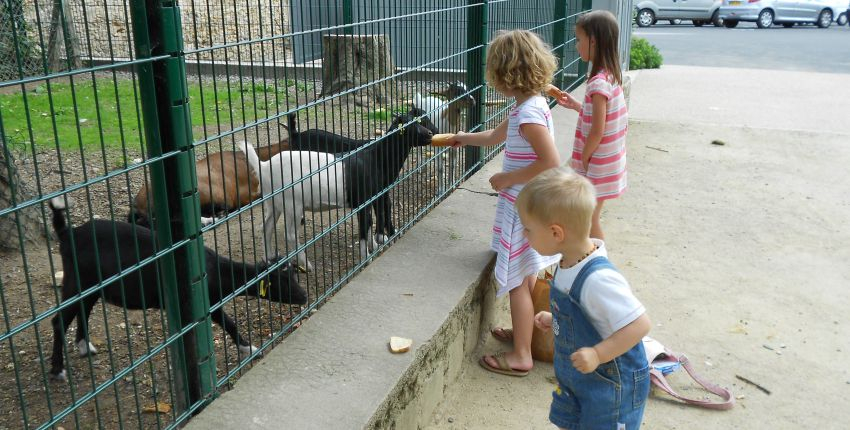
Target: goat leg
[(60, 324), (84, 347), (364, 225), (384, 219), (229, 326)]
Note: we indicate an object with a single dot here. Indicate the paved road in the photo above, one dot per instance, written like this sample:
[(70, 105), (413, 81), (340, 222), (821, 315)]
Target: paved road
[(805, 48)]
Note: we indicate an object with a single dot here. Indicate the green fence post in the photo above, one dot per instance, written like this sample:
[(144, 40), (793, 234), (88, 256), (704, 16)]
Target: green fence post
[(347, 16), (476, 58), (559, 39), (165, 106)]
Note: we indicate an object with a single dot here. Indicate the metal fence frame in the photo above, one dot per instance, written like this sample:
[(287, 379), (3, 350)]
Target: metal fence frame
[(238, 98)]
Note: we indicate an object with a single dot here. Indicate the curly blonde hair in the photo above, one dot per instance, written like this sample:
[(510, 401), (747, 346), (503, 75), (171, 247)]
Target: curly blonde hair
[(518, 60)]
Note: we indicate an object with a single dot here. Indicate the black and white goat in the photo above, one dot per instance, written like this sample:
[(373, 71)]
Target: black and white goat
[(446, 114), (103, 248), (318, 181)]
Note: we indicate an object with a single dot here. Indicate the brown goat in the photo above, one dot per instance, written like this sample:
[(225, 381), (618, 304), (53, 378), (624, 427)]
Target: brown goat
[(225, 182)]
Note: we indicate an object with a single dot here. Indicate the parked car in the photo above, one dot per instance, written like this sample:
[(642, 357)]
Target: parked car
[(700, 12), (843, 11), (765, 13)]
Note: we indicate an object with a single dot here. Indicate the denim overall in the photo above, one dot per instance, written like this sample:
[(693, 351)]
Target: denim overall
[(613, 396)]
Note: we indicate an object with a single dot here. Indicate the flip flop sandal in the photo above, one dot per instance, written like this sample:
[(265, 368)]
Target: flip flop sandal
[(503, 334), (504, 368)]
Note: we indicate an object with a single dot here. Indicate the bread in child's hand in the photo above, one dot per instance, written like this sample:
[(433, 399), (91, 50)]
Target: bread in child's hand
[(554, 92), (443, 139)]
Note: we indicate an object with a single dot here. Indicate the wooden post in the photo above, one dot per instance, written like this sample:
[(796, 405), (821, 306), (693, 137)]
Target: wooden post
[(62, 34), (352, 61)]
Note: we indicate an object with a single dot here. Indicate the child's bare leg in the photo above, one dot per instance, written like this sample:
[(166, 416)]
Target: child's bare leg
[(522, 318), (596, 227)]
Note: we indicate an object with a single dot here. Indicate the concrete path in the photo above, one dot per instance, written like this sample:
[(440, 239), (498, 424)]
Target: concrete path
[(739, 251)]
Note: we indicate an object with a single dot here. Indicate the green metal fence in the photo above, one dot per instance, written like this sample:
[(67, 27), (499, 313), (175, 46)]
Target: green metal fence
[(99, 100)]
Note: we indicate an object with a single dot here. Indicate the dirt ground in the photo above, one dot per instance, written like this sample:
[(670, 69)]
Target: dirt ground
[(738, 249), (122, 338)]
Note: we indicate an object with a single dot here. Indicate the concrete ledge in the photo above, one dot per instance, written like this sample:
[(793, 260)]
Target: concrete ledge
[(336, 371)]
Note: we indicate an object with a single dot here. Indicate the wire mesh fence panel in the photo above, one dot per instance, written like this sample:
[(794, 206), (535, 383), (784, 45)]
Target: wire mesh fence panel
[(182, 185)]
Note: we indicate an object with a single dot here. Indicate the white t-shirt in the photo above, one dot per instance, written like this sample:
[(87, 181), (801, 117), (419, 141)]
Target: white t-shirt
[(606, 298)]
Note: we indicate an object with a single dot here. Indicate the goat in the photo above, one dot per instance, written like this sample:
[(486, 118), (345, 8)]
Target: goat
[(103, 248), (319, 140), (446, 115), (224, 184), (349, 182)]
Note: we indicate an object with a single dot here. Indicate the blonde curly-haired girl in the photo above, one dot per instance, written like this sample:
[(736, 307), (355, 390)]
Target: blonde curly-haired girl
[(519, 65)]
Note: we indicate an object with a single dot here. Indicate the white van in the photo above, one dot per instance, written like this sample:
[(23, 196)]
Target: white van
[(699, 12)]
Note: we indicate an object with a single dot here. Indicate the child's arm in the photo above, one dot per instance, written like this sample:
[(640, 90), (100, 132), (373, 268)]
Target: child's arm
[(483, 138), (597, 128), (543, 320), (586, 360), (563, 98), (547, 157)]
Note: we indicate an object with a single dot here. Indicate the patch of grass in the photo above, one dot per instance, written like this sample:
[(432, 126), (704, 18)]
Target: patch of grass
[(299, 85), (95, 113), (381, 114)]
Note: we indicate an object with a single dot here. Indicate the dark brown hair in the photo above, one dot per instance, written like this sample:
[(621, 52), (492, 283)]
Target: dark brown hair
[(601, 26)]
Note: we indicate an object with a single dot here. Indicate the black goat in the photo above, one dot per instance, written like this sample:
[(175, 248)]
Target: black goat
[(324, 141), (109, 245), (349, 183)]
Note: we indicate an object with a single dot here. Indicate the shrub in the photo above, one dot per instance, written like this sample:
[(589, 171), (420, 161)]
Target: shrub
[(644, 55)]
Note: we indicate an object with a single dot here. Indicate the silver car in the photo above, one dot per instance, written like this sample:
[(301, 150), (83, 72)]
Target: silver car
[(765, 13), (699, 12)]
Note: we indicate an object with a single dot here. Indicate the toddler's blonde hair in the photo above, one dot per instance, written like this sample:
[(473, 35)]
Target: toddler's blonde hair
[(518, 60), (559, 196)]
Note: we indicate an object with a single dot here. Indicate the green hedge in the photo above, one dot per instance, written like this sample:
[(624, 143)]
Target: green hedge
[(644, 55)]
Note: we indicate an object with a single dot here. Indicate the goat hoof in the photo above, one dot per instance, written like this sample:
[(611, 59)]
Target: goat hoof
[(85, 348), (248, 349), (59, 377), (205, 221), (382, 238)]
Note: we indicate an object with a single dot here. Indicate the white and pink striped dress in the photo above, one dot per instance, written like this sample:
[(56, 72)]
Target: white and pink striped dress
[(607, 167), (515, 258)]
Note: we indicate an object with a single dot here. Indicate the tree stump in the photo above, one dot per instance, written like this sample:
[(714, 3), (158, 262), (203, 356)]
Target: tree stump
[(63, 39), (14, 191), (350, 61)]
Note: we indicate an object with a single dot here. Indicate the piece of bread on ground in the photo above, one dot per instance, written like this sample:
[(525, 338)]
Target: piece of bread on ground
[(400, 344)]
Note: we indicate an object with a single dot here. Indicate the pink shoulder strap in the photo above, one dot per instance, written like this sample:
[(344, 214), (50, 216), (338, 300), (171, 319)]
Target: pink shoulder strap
[(660, 381)]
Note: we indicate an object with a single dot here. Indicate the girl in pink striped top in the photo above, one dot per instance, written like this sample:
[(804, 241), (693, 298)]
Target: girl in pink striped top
[(599, 149)]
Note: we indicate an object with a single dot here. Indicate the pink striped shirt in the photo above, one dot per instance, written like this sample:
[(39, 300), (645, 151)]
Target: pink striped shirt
[(607, 167)]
